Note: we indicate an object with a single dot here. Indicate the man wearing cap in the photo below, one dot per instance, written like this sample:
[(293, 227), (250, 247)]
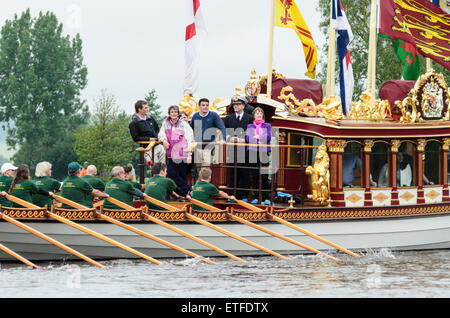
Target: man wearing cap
[(91, 178), (6, 179), (236, 124), (76, 189)]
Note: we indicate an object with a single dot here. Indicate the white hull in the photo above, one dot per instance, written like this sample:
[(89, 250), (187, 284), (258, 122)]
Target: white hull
[(398, 233)]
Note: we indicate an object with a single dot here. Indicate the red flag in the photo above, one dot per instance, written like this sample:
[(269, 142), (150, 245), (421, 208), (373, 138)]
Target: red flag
[(420, 23)]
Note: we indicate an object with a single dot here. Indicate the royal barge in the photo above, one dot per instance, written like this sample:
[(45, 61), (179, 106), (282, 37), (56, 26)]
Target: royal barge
[(397, 199)]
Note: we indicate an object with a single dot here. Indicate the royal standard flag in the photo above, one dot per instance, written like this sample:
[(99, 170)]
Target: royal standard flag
[(419, 23), (288, 16)]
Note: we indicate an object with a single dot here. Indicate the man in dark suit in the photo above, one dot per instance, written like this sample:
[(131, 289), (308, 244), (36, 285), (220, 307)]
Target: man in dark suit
[(236, 124)]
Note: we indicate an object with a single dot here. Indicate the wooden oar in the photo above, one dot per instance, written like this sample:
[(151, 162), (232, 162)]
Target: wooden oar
[(280, 236), (192, 237), (295, 227), (45, 237), (219, 229), (147, 235), (160, 203), (317, 237), (20, 258), (173, 209), (98, 204), (96, 234)]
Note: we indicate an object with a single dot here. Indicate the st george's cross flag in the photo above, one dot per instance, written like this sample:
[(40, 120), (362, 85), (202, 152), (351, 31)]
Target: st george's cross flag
[(195, 23), (344, 37)]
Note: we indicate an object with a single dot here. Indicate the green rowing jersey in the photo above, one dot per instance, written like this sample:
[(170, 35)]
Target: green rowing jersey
[(47, 184), (78, 190), (24, 190), (5, 184), (96, 183), (121, 190), (158, 187), (204, 191)]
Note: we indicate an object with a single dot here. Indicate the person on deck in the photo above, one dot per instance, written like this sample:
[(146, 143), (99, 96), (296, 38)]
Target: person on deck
[(43, 180), (204, 125), (259, 132), (177, 137), (236, 124), (78, 190), (121, 189), (23, 188), (6, 179), (129, 177), (143, 127), (159, 186), (93, 180), (204, 190)]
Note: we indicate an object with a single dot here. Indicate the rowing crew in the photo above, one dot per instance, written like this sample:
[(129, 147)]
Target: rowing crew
[(41, 191)]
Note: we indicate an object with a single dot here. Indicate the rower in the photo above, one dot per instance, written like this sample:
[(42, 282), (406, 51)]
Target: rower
[(23, 188), (7, 177), (121, 189), (204, 190), (129, 177), (93, 180), (159, 185), (76, 189)]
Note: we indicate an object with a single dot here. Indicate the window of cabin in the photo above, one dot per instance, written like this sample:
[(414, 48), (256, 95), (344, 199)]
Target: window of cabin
[(301, 157), (351, 165), (406, 164), (432, 163), (379, 164)]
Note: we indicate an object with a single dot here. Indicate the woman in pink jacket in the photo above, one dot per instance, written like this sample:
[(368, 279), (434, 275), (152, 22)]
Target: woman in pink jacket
[(177, 136)]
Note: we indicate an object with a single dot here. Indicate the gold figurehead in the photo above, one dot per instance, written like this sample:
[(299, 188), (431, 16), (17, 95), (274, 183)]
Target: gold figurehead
[(319, 176)]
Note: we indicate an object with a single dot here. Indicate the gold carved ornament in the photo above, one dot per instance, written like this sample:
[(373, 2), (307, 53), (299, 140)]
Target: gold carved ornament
[(330, 108), (319, 176), (430, 88), (364, 109), (189, 105)]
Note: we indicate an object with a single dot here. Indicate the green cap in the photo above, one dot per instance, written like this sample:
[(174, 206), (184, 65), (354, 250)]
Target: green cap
[(74, 166)]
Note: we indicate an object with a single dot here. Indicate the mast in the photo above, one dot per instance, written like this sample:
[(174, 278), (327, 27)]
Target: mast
[(331, 57), (269, 71), (372, 58)]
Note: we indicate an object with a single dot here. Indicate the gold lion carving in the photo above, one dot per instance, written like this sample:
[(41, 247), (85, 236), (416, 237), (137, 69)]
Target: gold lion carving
[(319, 176)]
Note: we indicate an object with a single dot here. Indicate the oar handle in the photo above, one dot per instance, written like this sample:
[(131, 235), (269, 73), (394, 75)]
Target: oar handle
[(21, 202), (70, 203), (205, 205), (120, 203), (160, 204)]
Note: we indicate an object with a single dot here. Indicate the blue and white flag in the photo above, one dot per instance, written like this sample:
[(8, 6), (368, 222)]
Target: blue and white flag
[(344, 38)]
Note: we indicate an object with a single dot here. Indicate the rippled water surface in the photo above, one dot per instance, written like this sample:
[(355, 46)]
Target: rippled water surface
[(380, 273)]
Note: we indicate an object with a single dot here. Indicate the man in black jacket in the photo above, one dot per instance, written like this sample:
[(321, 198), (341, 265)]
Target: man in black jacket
[(236, 124), (144, 128)]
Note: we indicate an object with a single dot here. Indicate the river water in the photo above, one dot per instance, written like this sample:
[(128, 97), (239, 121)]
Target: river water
[(378, 273)]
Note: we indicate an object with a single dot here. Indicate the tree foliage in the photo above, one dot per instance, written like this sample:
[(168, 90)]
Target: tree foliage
[(388, 66), (41, 77), (154, 109), (106, 141)]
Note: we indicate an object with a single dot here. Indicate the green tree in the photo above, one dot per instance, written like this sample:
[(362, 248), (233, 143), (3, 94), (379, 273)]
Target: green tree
[(388, 66), (154, 109), (106, 141), (41, 77)]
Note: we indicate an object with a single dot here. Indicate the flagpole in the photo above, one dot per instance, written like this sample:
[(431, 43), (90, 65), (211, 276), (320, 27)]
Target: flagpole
[(372, 58), (269, 71), (331, 57)]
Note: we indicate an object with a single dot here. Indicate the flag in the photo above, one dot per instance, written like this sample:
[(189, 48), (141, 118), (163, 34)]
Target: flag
[(345, 36), (195, 23), (287, 15), (407, 53), (419, 23)]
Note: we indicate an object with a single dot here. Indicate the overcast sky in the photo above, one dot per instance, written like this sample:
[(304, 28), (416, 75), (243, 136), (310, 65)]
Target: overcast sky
[(133, 46)]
